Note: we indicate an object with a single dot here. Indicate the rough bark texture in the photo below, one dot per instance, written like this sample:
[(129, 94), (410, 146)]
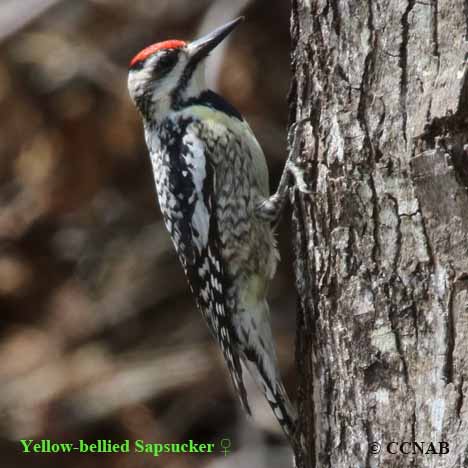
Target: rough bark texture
[(380, 92)]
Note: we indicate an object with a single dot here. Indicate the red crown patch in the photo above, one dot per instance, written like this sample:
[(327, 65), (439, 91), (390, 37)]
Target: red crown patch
[(150, 50)]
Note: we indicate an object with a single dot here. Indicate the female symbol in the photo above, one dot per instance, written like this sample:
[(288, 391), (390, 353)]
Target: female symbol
[(225, 445)]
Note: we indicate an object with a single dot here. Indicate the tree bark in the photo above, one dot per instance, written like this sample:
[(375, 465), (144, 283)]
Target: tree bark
[(380, 105)]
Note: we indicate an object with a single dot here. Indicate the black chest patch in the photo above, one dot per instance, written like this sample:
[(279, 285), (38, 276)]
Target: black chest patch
[(214, 101)]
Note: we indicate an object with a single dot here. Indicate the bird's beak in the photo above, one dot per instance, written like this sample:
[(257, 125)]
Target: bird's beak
[(202, 47)]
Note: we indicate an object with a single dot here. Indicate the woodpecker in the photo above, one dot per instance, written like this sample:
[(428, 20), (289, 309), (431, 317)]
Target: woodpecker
[(212, 185)]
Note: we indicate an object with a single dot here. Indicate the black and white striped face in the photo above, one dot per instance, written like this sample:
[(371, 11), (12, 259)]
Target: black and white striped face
[(156, 76), (171, 71)]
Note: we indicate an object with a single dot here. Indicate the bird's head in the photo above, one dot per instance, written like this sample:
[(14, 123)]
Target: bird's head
[(172, 71)]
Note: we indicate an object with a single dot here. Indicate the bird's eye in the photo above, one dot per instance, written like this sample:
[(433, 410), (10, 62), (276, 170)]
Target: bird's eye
[(165, 65)]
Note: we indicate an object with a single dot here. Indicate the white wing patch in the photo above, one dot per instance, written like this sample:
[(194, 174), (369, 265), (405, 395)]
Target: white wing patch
[(196, 164)]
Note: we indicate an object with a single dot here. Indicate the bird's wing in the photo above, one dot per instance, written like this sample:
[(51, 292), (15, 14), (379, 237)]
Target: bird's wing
[(192, 177)]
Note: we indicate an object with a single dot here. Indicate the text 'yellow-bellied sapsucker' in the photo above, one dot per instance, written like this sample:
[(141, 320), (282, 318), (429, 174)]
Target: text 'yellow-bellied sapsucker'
[(212, 185)]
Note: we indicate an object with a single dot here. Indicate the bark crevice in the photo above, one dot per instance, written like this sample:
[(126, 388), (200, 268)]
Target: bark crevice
[(403, 62)]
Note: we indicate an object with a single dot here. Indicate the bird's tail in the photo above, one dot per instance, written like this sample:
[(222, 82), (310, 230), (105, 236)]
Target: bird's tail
[(277, 398), (235, 370), (259, 356)]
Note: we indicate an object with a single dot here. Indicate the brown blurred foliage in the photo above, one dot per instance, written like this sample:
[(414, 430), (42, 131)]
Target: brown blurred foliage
[(99, 336)]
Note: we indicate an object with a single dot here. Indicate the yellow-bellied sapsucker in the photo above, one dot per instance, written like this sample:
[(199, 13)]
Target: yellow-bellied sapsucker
[(212, 184)]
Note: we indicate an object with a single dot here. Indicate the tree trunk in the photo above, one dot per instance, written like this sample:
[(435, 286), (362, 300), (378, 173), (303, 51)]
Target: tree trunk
[(380, 102)]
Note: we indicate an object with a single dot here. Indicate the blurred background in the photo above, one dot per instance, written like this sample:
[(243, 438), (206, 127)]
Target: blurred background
[(99, 336)]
